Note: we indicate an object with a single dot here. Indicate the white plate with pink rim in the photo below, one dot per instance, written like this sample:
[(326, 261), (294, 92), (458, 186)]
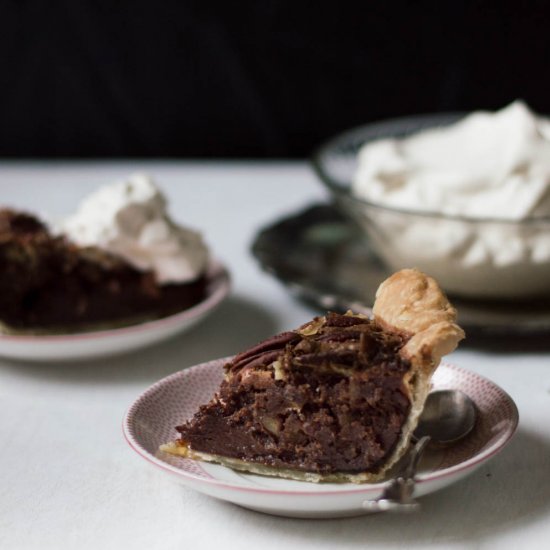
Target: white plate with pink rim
[(101, 343), (151, 419)]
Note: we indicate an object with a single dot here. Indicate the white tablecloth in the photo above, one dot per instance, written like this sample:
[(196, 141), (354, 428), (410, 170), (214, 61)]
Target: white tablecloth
[(68, 479)]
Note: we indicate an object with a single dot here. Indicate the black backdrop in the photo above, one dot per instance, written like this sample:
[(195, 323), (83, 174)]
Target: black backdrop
[(85, 78)]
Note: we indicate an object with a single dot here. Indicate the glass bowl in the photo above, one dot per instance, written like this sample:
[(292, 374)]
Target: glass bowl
[(470, 257)]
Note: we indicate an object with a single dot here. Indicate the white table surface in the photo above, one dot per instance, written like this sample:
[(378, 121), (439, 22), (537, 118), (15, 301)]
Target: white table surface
[(69, 480)]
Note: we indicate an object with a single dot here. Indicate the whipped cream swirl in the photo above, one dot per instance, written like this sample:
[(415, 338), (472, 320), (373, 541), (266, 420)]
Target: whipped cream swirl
[(488, 165), (129, 219)]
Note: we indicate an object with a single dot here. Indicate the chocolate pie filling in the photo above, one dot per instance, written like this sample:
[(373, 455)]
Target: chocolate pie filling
[(326, 398)]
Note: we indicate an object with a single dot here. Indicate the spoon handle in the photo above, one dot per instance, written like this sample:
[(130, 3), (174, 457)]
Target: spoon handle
[(398, 494)]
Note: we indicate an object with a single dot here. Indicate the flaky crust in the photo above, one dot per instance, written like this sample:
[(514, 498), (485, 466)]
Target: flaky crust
[(411, 302)]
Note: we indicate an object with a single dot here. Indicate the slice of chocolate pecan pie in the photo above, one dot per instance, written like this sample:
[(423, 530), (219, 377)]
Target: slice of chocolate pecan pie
[(49, 284), (336, 399)]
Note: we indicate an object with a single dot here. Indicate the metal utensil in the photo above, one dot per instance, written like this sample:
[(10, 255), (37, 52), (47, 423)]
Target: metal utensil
[(448, 416)]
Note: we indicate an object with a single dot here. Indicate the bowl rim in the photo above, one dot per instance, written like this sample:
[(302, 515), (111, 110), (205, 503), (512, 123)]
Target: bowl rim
[(341, 190)]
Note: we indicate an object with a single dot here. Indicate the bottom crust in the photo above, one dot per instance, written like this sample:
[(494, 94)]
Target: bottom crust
[(287, 473)]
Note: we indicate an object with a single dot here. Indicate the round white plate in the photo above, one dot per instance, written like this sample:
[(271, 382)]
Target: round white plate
[(85, 345), (150, 421)]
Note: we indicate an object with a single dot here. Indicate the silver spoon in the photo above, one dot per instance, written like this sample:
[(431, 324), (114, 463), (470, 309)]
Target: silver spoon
[(448, 416)]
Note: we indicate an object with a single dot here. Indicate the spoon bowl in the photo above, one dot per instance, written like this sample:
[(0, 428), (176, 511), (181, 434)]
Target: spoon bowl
[(448, 415)]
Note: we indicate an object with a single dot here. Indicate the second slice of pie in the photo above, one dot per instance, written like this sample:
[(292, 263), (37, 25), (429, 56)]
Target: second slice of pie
[(336, 399)]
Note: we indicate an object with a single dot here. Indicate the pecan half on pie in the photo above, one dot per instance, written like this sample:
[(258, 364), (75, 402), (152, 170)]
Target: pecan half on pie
[(336, 399)]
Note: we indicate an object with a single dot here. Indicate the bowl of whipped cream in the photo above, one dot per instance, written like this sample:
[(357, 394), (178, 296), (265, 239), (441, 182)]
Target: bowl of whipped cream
[(463, 197)]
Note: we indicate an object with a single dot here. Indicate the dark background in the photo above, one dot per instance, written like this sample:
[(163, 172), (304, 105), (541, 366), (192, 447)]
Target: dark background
[(83, 78)]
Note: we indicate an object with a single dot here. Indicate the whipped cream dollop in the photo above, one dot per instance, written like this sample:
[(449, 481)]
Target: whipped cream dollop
[(129, 219), (488, 165)]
